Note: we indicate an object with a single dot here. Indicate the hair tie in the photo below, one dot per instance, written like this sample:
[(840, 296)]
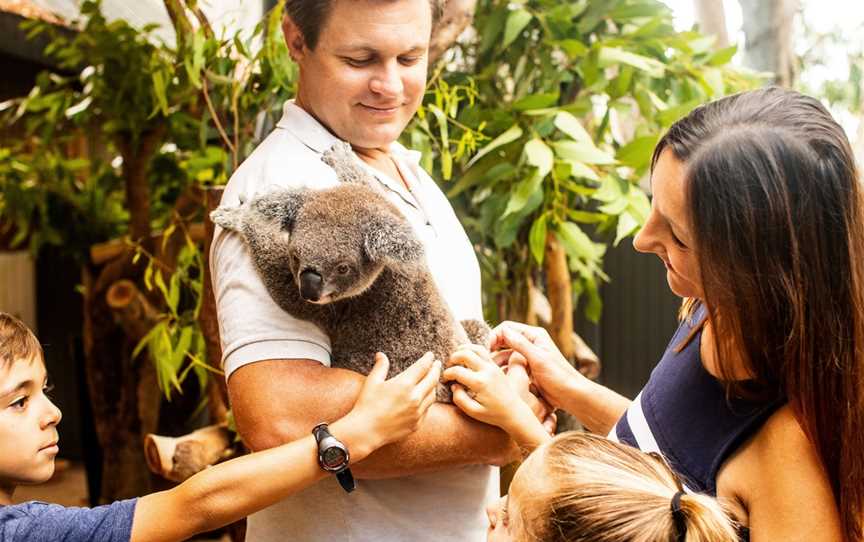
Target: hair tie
[(678, 517)]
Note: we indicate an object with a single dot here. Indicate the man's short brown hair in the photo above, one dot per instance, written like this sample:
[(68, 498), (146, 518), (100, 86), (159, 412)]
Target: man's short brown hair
[(310, 16), (17, 342)]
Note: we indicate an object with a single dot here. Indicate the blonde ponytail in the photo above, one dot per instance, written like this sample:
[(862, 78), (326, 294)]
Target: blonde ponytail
[(596, 490)]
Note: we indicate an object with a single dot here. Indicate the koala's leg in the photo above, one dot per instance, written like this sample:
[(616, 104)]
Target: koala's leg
[(477, 330)]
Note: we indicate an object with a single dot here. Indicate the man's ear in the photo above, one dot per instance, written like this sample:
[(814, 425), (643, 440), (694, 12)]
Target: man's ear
[(293, 38), (387, 237), (282, 205)]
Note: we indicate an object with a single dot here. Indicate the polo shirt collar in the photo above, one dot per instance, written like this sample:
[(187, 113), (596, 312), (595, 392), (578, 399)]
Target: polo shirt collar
[(314, 135)]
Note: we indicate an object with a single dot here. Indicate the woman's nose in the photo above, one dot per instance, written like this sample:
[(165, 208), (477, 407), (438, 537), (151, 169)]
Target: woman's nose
[(646, 238)]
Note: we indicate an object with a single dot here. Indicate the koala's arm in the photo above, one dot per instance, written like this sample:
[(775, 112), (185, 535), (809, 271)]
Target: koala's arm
[(277, 401)]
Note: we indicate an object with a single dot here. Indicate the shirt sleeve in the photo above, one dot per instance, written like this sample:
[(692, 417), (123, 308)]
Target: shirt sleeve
[(43, 521)]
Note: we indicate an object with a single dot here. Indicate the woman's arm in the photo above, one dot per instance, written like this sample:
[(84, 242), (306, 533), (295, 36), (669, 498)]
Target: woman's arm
[(596, 406), (780, 481), (385, 411)]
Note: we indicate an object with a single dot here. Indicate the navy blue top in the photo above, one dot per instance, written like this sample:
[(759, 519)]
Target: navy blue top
[(684, 413), (38, 521)]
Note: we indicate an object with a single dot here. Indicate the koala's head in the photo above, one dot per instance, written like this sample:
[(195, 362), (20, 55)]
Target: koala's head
[(334, 242), (342, 238)]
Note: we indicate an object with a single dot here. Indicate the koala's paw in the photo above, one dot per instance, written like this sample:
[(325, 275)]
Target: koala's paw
[(229, 218), (443, 393), (477, 330), (346, 165)]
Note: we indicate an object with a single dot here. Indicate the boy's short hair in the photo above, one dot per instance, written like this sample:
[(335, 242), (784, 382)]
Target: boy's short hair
[(17, 342)]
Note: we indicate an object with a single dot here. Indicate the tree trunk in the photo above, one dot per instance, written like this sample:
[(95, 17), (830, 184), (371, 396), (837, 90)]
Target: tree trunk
[(712, 21), (137, 153), (768, 33), (560, 294), (457, 16)]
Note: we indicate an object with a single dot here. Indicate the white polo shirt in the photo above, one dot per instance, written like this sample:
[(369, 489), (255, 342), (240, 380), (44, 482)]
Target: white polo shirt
[(436, 507)]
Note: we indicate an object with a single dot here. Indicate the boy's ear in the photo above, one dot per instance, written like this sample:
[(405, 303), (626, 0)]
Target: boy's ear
[(387, 237), (281, 205)]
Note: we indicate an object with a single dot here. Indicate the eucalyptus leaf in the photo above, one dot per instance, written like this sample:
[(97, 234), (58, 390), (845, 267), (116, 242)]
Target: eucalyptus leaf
[(516, 23)]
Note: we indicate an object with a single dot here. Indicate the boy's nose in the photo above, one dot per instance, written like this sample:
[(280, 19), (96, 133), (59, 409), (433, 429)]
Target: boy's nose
[(52, 415)]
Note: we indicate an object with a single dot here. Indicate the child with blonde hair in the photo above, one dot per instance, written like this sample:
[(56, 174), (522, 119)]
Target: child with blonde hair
[(578, 487)]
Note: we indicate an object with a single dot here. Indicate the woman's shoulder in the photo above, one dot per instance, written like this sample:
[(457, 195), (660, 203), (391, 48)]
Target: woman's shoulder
[(775, 475)]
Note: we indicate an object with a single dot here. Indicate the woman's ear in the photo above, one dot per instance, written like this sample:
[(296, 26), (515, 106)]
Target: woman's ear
[(293, 39)]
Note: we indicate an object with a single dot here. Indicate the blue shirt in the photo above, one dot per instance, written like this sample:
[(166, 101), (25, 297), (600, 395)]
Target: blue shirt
[(38, 521)]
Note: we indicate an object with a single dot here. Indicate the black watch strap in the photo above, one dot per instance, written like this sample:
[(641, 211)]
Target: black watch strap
[(346, 480)]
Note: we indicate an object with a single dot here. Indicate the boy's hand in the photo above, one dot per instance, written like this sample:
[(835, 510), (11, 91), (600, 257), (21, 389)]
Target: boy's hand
[(388, 410)]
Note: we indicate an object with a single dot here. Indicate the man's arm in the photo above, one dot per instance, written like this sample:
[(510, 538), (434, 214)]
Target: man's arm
[(277, 401)]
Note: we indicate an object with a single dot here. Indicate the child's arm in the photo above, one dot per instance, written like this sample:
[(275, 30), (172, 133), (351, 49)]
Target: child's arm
[(385, 411), (484, 392)]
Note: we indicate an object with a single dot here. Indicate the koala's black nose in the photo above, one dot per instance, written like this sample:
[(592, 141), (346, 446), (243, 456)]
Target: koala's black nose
[(310, 285)]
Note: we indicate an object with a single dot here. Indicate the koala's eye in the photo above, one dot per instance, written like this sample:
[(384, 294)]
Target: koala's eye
[(343, 268)]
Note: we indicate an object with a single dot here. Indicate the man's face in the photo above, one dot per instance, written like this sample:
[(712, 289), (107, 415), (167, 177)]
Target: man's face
[(28, 425), (366, 76)]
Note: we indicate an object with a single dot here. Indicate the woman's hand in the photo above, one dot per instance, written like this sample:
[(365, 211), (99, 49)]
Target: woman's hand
[(486, 393), (551, 373), (389, 410)]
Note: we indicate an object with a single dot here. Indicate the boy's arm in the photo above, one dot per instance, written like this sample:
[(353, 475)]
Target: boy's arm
[(277, 401), (232, 490)]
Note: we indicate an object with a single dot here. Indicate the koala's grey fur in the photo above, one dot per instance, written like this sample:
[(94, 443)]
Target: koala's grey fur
[(376, 291)]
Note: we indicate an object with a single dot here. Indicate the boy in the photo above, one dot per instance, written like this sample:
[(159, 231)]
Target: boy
[(385, 411)]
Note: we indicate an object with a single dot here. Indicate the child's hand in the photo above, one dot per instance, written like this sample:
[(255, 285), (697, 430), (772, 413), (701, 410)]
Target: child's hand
[(388, 410), (485, 392)]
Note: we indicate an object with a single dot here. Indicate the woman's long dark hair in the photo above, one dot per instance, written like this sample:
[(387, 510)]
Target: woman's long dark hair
[(777, 218)]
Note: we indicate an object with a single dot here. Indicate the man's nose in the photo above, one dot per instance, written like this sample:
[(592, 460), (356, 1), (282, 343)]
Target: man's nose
[(387, 81), (310, 285)]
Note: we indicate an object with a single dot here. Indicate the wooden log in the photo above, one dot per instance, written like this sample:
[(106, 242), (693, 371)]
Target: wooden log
[(101, 253), (135, 314), (178, 458)]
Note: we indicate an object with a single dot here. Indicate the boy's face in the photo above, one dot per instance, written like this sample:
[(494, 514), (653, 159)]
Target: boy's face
[(28, 425)]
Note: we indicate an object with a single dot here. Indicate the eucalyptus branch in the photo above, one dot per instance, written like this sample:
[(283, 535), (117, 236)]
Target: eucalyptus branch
[(202, 18), (216, 120)]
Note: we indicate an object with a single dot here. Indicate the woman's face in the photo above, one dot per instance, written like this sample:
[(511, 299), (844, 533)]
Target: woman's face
[(505, 514), (667, 232), (366, 76)]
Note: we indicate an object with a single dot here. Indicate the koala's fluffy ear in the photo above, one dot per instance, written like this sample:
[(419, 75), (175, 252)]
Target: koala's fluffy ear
[(229, 218), (281, 205), (387, 237)]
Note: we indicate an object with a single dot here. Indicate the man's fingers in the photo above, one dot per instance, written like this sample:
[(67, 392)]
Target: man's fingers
[(464, 376), (418, 369)]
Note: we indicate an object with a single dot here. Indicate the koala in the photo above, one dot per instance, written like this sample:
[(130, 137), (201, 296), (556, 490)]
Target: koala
[(347, 260)]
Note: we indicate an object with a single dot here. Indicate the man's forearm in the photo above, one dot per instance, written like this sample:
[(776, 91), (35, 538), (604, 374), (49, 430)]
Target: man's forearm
[(278, 401)]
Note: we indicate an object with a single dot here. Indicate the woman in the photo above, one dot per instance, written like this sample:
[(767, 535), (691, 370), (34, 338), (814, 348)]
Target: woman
[(757, 215)]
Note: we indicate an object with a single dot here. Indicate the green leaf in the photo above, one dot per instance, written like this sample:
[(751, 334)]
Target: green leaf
[(159, 88), (516, 23), (581, 152), (586, 217), (536, 101), (540, 156), (614, 55), (668, 117), (721, 57), (571, 126), (639, 206), (577, 243), (537, 239), (574, 49), (523, 193), (578, 169), (627, 224), (637, 153), (511, 134)]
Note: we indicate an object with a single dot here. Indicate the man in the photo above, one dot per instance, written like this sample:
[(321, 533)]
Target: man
[(363, 67)]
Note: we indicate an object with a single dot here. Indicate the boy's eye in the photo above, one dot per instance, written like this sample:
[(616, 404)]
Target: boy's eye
[(20, 403)]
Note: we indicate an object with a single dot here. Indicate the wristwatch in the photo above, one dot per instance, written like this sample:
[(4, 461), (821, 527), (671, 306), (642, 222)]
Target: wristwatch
[(333, 456)]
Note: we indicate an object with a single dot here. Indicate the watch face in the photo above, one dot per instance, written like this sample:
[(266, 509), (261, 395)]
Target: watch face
[(333, 457)]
